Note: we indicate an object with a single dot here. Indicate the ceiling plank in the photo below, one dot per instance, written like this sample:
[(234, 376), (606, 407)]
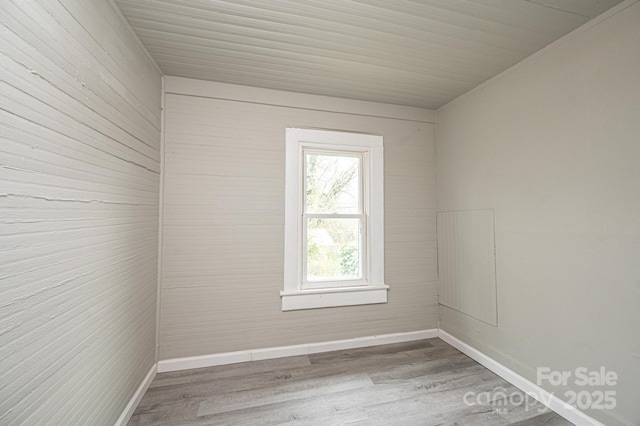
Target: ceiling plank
[(420, 53)]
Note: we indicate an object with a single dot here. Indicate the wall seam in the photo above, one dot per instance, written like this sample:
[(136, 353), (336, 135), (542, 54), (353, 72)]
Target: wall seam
[(160, 218)]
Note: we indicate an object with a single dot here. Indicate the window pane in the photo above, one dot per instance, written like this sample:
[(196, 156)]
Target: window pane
[(333, 249), (332, 183)]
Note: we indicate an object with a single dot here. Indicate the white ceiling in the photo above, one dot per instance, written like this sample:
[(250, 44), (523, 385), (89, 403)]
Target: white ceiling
[(420, 53)]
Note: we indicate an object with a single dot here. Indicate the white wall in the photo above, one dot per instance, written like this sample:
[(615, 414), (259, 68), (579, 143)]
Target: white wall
[(223, 230), (79, 175), (553, 146)]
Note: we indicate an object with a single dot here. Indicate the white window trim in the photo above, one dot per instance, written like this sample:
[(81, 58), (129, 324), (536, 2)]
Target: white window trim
[(294, 297)]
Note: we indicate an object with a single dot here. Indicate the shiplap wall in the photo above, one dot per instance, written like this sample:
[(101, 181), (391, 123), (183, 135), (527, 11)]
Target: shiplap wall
[(79, 176), (223, 230)]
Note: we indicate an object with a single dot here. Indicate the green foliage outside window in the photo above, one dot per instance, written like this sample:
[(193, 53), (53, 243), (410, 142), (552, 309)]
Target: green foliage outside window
[(332, 186)]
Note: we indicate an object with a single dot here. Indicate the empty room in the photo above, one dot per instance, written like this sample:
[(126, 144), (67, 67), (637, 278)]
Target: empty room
[(320, 212)]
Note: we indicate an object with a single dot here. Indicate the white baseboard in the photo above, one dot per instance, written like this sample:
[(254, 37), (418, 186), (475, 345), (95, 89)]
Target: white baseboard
[(137, 397), (567, 411), (177, 364)]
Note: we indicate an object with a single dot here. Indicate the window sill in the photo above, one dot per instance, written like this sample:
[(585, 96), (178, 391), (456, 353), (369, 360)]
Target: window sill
[(325, 298)]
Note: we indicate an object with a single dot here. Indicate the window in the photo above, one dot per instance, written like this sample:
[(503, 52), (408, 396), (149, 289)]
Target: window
[(334, 226)]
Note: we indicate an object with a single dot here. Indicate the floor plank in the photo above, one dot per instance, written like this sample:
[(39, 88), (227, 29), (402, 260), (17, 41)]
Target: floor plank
[(423, 382)]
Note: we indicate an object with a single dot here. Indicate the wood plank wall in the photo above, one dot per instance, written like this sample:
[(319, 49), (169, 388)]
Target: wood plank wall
[(79, 184), (223, 230)]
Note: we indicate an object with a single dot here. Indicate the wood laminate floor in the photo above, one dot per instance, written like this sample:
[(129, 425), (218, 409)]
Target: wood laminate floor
[(417, 383)]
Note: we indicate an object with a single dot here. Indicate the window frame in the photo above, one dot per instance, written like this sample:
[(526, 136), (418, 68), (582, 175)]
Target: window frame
[(363, 208), (371, 289)]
